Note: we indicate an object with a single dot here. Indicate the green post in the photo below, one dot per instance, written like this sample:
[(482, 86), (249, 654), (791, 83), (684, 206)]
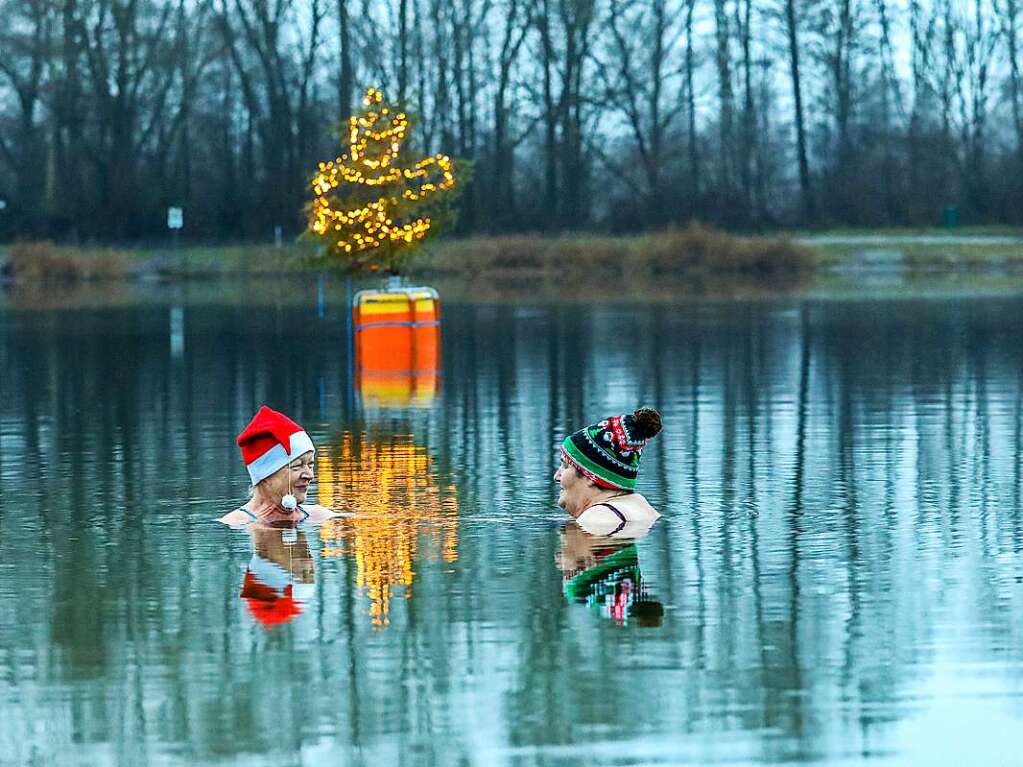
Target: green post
[(951, 217)]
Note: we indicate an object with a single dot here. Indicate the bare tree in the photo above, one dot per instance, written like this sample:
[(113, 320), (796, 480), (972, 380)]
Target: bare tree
[(123, 45), (809, 206), (574, 113), (690, 96), (747, 155), (26, 40), (640, 82), (566, 29), (726, 106), (890, 102), (277, 89), (346, 68), (979, 43), (1010, 13), (923, 30), (513, 35)]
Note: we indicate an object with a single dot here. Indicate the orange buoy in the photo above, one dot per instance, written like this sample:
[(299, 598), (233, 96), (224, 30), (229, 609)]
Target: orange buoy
[(397, 346)]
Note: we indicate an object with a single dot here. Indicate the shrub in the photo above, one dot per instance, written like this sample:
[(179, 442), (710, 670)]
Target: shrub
[(708, 249), (45, 262), (695, 248), (41, 261)]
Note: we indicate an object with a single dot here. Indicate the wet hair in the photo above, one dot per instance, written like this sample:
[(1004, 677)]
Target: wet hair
[(647, 423)]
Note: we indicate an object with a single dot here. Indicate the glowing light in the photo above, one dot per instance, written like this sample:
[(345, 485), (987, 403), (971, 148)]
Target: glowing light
[(375, 141), (400, 514)]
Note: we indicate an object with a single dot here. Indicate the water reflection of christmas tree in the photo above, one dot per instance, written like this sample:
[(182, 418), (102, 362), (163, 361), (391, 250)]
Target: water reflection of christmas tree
[(401, 513)]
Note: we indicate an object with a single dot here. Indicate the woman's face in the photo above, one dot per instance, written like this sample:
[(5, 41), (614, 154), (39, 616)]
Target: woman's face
[(573, 487), (293, 478)]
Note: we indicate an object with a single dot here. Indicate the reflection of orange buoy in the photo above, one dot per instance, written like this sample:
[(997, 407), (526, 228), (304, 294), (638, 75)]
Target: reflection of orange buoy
[(397, 345)]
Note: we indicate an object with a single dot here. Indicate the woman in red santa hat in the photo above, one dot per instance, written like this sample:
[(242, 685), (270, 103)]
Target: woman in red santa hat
[(279, 457)]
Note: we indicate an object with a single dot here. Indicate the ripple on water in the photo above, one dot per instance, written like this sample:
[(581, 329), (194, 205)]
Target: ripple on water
[(839, 564)]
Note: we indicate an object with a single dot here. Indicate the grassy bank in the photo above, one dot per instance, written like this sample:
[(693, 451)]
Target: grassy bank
[(696, 253), (976, 253), (693, 250), (46, 262), (912, 231)]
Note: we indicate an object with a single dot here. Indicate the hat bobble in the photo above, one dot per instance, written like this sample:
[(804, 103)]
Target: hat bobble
[(647, 423), (270, 442)]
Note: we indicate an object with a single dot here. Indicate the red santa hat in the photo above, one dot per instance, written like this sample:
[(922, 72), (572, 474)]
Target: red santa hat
[(270, 441)]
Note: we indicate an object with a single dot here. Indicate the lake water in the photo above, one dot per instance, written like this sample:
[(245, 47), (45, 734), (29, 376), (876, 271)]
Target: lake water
[(837, 577)]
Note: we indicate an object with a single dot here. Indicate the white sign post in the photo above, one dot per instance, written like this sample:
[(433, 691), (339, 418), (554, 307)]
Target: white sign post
[(175, 218)]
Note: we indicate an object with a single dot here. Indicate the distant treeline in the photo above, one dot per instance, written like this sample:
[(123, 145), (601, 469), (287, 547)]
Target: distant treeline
[(618, 115)]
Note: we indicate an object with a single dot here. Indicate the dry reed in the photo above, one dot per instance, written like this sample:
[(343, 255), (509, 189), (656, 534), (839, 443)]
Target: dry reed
[(697, 248), (46, 262)]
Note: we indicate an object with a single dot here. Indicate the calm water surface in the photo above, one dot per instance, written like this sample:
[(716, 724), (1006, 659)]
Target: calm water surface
[(837, 578)]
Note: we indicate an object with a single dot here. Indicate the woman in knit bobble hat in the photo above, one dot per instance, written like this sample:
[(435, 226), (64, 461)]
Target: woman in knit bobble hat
[(598, 470)]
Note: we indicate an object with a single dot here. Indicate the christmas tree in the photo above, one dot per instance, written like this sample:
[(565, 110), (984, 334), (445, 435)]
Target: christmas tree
[(372, 208)]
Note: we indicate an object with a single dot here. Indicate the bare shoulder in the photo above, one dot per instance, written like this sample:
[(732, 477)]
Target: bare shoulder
[(599, 520), (627, 516), (319, 513), (236, 518), (637, 507)]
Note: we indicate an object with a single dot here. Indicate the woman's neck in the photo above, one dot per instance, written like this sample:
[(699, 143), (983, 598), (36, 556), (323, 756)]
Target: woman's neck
[(607, 495), (599, 496), (267, 508)]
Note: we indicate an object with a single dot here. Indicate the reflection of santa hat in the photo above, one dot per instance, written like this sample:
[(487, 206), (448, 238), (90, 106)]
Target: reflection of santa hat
[(270, 441), (271, 594)]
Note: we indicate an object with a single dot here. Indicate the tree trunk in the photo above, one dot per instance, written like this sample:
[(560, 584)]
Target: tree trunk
[(1015, 90), (402, 50), (726, 168), (69, 199), (503, 210), (657, 55), (346, 73), (749, 137), (550, 190), (888, 91), (809, 208), (690, 66)]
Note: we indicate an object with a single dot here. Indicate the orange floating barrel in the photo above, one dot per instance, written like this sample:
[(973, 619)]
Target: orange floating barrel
[(397, 345)]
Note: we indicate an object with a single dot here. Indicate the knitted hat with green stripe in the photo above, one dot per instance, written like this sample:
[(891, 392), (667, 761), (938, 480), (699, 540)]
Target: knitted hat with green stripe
[(608, 452)]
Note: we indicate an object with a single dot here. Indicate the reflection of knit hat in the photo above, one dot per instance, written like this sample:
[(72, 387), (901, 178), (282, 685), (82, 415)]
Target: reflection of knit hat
[(615, 587), (608, 452), (580, 586), (270, 441)]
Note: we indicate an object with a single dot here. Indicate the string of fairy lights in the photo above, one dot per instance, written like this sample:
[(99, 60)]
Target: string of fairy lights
[(375, 141)]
